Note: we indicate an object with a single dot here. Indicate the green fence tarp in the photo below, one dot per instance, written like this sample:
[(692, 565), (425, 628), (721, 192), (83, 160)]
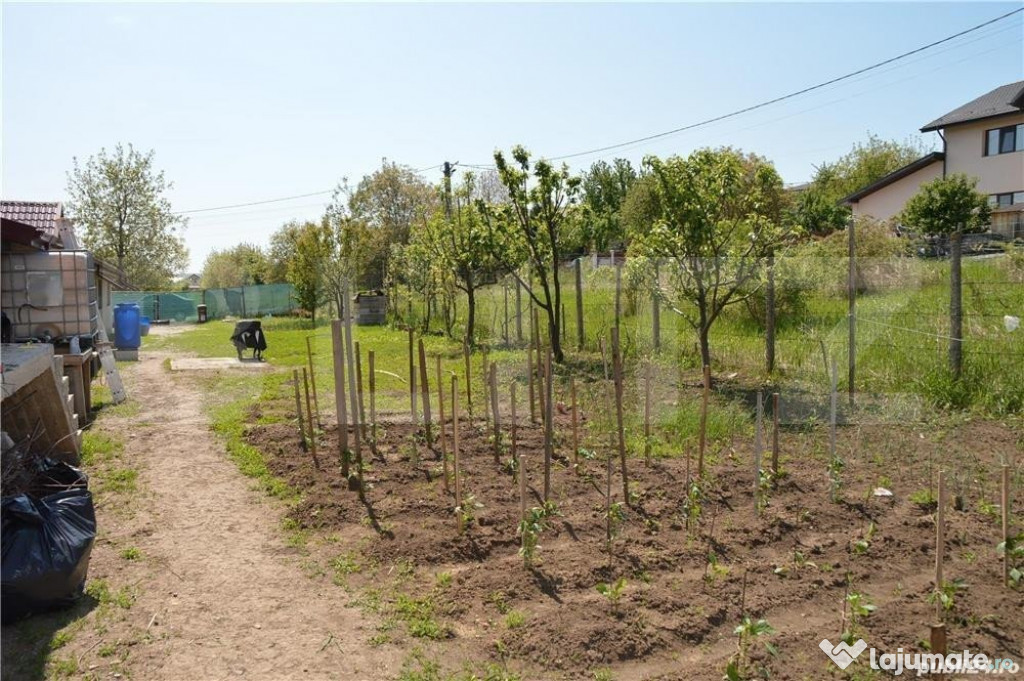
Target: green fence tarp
[(242, 301)]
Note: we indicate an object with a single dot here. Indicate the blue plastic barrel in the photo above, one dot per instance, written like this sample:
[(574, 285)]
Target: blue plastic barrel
[(127, 326), (144, 326)]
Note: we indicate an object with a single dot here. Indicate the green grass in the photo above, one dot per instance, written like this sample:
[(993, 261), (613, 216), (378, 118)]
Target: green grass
[(99, 447), (120, 481), (131, 553), (104, 401), (99, 589), (420, 617), (515, 619), (418, 667), (61, 639), (229, 420), (909, 294)]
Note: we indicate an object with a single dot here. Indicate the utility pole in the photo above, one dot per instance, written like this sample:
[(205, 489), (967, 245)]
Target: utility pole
[(448, 169)]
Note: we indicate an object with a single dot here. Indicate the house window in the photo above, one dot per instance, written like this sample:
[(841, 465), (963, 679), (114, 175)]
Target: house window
[(1006, 199), (1004, 140)]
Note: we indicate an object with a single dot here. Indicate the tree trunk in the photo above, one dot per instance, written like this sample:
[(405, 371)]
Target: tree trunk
[(704, 333), (555, 314), (471, 314), (955, 308), (704, 329), (555, 337)]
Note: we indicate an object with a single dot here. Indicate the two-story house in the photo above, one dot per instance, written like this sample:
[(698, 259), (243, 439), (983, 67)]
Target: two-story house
[(983, 139)]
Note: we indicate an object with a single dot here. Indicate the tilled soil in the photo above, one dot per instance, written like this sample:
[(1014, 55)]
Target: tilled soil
[(687, 585)]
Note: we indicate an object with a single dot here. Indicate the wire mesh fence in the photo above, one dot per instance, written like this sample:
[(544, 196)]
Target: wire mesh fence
[(901, 318)]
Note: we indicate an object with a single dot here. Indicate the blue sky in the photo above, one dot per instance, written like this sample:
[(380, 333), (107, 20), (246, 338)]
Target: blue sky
[(251, 102)]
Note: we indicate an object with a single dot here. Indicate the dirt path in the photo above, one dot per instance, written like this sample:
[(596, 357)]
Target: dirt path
[(220, 595)]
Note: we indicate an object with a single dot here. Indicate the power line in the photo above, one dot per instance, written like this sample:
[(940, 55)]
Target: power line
[(674, 131), (841, 99), (254, 203), (791, 95), (278, 200)]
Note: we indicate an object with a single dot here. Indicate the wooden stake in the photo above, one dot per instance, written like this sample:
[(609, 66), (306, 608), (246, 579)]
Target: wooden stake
[(485, 378), (469, 380), (832, 411), (522, 488), (353, 397), (938, 642), (938, 630), (504, 326), (851, 316), (703, 421), (541, 390), (533, 329), (549, 435), (579, 304), (359, 392), (758, 450), (298, 410), (412, 379), (647, 413), (775, 438), (656, 310), (1005, 500), (940, 541), (529, 373), (415, 459), (339, 396), (548, 430), (455, 450), (521, 460), (618, 291), (519, 312), (312, 425), (496, 420), (425, 387), (575, 428), (373, 403), (513, 425), (312, 379), (617, 366), (440, 423)]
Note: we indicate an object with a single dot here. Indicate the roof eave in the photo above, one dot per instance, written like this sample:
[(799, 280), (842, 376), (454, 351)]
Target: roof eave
[(938, 125), (895, 176)]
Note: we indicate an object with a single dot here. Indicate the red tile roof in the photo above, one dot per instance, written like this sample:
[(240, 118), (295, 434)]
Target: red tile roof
[(40, 214)]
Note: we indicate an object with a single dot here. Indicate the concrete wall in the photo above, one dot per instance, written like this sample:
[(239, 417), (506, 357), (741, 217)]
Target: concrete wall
[(965, 153), (889, 201)]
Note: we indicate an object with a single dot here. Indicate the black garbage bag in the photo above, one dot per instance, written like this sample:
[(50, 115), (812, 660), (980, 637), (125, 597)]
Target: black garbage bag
[(249, 334), (47, 539)]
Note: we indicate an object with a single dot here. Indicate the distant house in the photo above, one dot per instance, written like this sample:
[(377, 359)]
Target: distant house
[(193, 281), (983, 139)]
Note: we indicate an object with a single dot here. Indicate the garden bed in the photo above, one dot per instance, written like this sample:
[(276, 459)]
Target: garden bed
[(683, 590)]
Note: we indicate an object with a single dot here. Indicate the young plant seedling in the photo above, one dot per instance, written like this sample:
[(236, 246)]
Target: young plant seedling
[(859, 608), (530, 528), (748, 632), (1013, 550), (862, 545), (945, 595), (613, 592)]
